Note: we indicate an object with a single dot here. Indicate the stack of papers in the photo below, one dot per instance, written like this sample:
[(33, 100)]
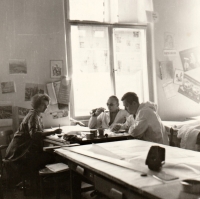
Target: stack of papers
[(57, 167)]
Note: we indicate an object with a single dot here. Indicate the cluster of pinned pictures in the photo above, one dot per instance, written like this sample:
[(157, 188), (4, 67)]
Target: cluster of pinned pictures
[(187, 79), (190, 86)]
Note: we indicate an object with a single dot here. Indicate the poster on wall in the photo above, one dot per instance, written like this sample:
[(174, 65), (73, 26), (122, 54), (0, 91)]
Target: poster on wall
[(17, 66), (31, 89), (191, 85), (190, 58), (8, 87)]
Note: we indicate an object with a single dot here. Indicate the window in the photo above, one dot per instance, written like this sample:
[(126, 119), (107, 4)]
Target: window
[(105, 59)]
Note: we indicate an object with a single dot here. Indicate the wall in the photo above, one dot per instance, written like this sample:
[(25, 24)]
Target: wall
[(32, 30), (180, 17)]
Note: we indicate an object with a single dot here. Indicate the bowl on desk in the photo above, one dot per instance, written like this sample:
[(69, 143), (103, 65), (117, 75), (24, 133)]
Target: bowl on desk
[(191, 185)]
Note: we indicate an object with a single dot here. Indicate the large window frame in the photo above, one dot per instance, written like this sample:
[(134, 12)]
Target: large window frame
[(68, 24)]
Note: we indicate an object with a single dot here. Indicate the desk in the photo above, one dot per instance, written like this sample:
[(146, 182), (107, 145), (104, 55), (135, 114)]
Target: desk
[(55, 140), (120, 182)]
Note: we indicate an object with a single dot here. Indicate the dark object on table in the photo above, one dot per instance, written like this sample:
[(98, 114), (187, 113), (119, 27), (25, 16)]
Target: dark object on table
[(155, 158), (191, 186), (72, 138)]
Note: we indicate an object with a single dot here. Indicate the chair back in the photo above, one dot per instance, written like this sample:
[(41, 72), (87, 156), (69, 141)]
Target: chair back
[(5, 138)]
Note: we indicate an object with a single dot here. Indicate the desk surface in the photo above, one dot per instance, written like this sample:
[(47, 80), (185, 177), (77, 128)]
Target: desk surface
[(179, 162), (54, 139)]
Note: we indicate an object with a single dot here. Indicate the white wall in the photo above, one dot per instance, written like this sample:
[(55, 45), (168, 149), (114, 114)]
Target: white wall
[(32, 30), (180, 17)]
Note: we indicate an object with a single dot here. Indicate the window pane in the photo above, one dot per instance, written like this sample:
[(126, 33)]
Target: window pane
[(91, 71), (90, 10), (130, 62)]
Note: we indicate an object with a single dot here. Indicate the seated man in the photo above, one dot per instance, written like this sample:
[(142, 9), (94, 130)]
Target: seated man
[(106, 119), (144, 122)]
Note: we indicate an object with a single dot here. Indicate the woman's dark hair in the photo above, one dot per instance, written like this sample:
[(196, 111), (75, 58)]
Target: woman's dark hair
[(114, 98), (37, 100), (130, 97)]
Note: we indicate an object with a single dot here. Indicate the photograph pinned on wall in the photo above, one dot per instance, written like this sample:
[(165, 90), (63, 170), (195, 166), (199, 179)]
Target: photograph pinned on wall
[(56, 68), (17, 66), (178, 76), (31, 89), (168, 41), (190, 58), (8, 87)]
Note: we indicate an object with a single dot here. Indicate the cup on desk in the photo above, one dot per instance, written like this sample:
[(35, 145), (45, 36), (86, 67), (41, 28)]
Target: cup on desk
[(101, 132), (94, 131), (89, 136)]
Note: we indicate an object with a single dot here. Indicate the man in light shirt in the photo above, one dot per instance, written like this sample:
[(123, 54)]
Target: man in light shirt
[(144, 122)]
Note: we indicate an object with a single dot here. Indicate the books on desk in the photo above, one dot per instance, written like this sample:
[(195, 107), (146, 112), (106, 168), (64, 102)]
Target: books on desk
[(57, 167)]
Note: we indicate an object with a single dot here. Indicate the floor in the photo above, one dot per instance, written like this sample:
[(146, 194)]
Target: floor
[(17, 193)]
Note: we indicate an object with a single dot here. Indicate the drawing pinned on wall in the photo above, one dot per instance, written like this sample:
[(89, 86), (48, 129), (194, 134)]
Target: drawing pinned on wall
[(190, 58), (17, 66), (166, 70), (168, 40), (31, 89), (169, 90), (8, 87), (56, 68), (178, 76), (191, 85)]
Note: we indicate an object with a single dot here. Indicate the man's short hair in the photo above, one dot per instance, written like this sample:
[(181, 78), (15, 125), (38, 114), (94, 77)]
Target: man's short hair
[(114, 98), (37, 100), (130, 97)]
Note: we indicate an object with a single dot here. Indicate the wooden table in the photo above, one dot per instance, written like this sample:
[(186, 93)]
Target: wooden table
[(122, 178)]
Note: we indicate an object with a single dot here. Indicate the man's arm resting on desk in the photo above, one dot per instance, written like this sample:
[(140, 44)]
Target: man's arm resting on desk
[(46, 133)]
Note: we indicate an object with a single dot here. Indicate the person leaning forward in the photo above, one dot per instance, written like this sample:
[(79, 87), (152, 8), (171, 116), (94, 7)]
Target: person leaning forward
[(144, 122), (106, 119), (26, 149)]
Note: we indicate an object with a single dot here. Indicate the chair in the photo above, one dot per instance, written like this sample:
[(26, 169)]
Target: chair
[(6, 136), (1, 188), (57, 177)]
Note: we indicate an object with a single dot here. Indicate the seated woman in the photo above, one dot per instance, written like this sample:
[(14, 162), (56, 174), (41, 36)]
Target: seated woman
[(25, 149), (106, 119)]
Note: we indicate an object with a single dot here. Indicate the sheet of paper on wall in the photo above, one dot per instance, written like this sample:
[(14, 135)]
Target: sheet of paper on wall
[(6, 113), (56, 87), (166, 70), (191, 85), (52, 93), (64, 91), (152, 17), (169, 90)]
